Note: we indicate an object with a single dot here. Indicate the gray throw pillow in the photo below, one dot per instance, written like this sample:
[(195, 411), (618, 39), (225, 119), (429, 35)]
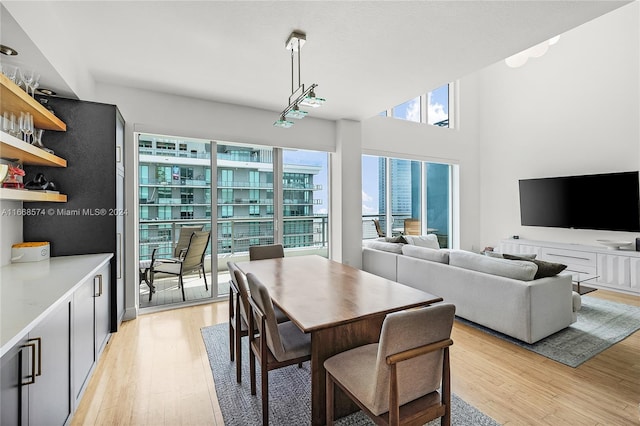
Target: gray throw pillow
[(398, 239), (545, 269), (503, 255)]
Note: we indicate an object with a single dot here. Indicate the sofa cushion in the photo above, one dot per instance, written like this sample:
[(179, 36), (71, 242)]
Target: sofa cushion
[(440, 255), (545, 269), (384, 246), (429, 240), (518, 270)]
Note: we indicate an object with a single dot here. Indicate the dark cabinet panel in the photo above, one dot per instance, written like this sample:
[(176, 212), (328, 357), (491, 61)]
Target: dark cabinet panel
[(88, 222)]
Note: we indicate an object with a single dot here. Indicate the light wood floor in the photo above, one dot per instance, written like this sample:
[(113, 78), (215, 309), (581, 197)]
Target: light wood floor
[(155, 371)]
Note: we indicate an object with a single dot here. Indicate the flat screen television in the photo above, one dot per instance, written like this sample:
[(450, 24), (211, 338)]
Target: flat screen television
[(609, 201)]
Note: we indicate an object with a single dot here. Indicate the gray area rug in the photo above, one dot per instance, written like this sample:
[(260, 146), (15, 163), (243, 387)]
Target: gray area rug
[(289, 391), (600, 325)]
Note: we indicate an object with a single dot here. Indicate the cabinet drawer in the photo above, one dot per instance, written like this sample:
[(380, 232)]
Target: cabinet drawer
[(569, 257)]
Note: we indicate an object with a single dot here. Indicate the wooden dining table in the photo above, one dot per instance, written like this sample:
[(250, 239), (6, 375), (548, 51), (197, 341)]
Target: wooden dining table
[(342, 307)]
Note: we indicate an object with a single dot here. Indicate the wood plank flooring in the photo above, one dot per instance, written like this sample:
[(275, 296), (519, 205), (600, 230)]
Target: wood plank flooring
[(155, 371)]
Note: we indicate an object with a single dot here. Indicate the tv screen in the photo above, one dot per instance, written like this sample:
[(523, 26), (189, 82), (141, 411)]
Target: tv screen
[(609, 201)]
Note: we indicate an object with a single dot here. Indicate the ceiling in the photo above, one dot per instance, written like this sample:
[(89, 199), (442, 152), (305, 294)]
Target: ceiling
[(365, 56)]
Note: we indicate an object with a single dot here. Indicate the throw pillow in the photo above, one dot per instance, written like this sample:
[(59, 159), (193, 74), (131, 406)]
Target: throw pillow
[(545, 269), (503, 255), (429, 240), (440, 256), (398, 239)]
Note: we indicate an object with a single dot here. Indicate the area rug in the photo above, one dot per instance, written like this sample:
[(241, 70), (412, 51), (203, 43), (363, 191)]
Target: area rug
[(289, 391), (600, 325)]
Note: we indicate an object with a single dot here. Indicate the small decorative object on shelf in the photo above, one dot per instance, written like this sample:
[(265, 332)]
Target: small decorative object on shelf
[(40, 183), (37, 141), (14, 178)]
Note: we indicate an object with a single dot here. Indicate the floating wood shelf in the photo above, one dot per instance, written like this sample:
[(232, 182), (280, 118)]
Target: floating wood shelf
[(12, 148), (25, 195), (16, 100)]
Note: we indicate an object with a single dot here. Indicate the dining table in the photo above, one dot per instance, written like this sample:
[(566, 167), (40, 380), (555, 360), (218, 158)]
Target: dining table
[(340, 306)]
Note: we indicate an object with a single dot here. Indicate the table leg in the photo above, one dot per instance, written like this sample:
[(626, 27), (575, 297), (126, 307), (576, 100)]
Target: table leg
[(328, 342)]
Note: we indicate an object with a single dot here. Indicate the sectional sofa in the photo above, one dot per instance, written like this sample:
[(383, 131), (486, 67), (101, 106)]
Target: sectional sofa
[(500, 294)]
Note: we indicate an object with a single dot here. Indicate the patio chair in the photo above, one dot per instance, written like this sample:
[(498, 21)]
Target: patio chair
[(192, 260)]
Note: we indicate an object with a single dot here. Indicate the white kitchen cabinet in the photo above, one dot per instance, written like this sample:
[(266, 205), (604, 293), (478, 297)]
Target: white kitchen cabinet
[(54, 324), (611, 269)]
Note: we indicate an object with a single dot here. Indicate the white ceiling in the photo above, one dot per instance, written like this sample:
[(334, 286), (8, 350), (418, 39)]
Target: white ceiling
[(365, 55)]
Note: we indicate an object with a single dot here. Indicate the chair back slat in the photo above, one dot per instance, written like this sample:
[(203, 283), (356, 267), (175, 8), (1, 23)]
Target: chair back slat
[(406, 330), (184, 237), (272, 251), (195, 250), (240, 282), (262, 299)]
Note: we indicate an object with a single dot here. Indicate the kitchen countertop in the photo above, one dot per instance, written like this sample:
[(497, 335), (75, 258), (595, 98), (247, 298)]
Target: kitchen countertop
[(31, 290)]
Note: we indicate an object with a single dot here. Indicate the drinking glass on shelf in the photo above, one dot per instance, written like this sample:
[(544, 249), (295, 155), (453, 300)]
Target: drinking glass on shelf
[(35, 84), (6, 123), (25, 124), (11, 71), (26, 76), (29, 128), (13, 126)]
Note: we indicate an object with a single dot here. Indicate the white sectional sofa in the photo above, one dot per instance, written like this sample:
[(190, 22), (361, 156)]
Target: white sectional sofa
[(497, 293)]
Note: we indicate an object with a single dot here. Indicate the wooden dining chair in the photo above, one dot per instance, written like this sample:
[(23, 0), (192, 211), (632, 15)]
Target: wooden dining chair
[(397, 380), (272, 251), (238, 315), (275, 345)]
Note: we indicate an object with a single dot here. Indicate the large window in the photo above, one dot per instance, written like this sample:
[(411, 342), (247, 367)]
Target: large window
[(407, 197), (305, 198)]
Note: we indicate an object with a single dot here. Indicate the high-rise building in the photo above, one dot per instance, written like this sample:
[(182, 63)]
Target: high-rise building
[(175, 190)]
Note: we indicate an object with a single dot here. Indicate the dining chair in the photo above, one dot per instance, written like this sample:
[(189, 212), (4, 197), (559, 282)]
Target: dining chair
[(191, 260), (238, 315), (405, 377), (275, 345), (272, 251)]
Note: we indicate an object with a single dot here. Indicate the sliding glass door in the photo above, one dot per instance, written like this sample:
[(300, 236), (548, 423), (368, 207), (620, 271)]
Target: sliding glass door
[(238, 192), (174, 176)]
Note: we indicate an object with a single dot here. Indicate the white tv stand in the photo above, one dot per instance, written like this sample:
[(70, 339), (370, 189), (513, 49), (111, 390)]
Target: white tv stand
[(617, 270)]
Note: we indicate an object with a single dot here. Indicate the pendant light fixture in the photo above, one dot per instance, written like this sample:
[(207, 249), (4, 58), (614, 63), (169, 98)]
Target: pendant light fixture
[(299, 95)]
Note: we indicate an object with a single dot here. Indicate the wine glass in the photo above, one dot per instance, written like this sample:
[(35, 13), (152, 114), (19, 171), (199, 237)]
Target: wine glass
[(35, 84), (11, 71), (27, 79), (29, 127)]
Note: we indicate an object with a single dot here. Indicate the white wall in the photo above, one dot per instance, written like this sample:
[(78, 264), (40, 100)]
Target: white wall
[(575, 110)]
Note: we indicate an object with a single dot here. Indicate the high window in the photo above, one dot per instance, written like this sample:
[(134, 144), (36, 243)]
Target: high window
[(431, 108)]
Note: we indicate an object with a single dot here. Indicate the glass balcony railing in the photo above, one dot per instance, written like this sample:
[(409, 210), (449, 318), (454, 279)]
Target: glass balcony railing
[(235, 235)]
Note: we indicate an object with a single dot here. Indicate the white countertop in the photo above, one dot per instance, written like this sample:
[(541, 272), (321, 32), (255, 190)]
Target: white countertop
[(29, 291)]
